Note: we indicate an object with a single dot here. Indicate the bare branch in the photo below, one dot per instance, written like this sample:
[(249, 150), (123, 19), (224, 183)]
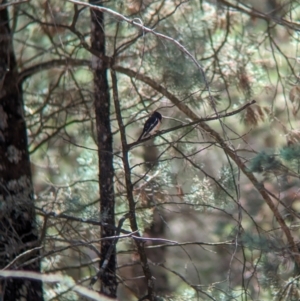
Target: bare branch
[(194, 123), (129, 192), (230, 152), (3, 6)]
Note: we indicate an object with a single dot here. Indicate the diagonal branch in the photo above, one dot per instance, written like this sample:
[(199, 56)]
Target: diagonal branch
[(139, 24), (185, 109), (231, 153)]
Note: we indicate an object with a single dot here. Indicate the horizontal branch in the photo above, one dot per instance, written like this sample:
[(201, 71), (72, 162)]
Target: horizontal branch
[(52, 64), (194, 123), (3, 6), (77, 219)]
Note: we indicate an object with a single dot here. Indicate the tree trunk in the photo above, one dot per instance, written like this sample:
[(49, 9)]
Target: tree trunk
[(104, 135), (17, 215)]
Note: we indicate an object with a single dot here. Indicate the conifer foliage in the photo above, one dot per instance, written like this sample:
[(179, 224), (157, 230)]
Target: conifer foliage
[(205, 209)]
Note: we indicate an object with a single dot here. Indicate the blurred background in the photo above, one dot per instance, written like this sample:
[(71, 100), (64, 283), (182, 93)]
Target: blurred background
[(210, 233)]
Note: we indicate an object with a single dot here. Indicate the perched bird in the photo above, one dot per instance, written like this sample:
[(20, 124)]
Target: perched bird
[(151, 125)]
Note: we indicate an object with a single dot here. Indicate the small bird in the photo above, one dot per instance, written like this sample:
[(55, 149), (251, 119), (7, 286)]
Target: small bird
[(151, 125)]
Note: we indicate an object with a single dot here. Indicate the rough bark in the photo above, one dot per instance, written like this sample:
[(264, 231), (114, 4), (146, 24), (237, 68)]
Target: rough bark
[(17, 216), (104, 135)]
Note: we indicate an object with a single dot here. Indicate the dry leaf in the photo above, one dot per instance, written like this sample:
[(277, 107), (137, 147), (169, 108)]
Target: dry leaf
[(293, 137), (254, 114), (295, 99)]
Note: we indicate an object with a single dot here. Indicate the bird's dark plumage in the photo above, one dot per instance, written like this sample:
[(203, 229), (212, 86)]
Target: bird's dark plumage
[(151, 125)]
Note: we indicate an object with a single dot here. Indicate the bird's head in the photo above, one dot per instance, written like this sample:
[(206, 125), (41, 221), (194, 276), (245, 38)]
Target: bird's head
[(157, 115)]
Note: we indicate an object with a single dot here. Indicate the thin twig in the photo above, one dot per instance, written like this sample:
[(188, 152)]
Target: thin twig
[(216, 136), (110, 251), (194, 123), (3, 6)]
